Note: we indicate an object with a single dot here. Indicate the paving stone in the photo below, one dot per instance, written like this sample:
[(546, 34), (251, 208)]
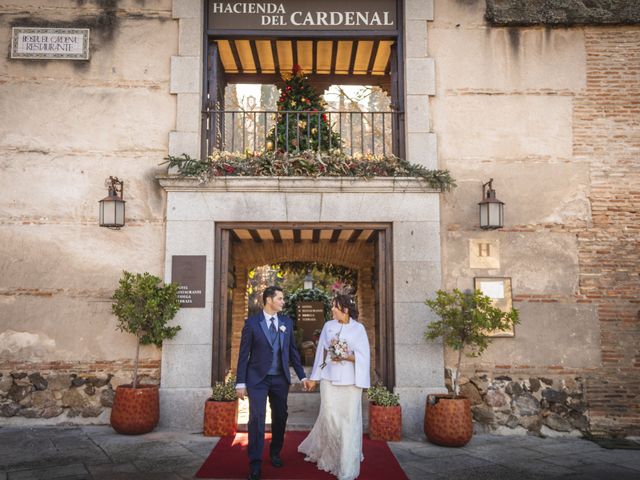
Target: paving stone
[(505, 455), (571, 461), (607, 471), (150, 450), (489, 472), (542, 469), (166, 464), (111, 468), (452, 463), (138, 476), (66, 471), (202, 449)]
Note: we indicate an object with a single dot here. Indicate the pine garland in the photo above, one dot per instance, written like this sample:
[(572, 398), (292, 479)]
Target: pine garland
[(306, 164)]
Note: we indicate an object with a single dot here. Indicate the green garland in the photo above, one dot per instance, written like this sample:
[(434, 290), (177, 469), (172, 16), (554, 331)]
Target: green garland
[(306, 164), (306, 295), (346, 274)]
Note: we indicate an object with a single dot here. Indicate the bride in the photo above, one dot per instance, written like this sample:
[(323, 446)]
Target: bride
[(342, 367)]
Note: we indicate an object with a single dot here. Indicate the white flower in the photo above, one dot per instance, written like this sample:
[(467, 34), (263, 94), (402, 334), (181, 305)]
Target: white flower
[(283, 328)]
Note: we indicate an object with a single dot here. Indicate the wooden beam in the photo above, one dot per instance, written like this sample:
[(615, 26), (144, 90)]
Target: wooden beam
[(334, 56), (354, 235), (297, 237), (316, 235), (276, 235), (256, 57), (255, 235), (354, 52), (372, 238), (236, 55), (335, 236), (234, 236), (276, 61), (314, 56), (374, 54), (294, 51)]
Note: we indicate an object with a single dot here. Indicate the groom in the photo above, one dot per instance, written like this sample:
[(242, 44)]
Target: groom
[(267, 346)]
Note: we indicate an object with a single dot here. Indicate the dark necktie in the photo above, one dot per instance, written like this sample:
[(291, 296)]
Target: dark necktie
[(272, 329)]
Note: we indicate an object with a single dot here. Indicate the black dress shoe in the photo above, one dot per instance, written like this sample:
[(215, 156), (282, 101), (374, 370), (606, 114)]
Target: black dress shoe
[(276, 461), (254, 475)]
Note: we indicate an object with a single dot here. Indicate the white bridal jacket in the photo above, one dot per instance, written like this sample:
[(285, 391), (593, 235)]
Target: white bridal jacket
[(344, 372)]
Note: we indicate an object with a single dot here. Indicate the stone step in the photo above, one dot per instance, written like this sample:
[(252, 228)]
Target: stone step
[(303, 411)]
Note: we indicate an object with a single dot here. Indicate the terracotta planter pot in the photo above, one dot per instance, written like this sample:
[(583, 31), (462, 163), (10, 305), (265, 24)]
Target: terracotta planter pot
[(447, 420), (385, 423), (220, 418), (135, 410)]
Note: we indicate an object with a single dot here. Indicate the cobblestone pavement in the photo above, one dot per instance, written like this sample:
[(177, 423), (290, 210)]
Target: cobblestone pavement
[(97, 452)]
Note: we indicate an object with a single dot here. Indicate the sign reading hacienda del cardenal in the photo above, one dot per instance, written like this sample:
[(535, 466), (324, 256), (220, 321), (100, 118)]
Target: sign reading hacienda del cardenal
[(301, 15)]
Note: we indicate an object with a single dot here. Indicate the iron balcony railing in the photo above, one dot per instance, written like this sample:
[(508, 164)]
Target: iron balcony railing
[(252, 130)]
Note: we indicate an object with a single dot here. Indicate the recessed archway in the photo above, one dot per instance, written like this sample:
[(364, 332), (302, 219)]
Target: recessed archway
[(360, 247)]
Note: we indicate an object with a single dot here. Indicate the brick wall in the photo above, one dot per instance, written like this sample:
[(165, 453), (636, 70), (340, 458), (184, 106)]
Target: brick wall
[(607, 134), (606, 137)]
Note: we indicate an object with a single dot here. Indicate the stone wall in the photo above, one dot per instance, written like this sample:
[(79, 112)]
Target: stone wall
[(562, 12), (525, 402), (66, 393), (551, 115), (66, 127)]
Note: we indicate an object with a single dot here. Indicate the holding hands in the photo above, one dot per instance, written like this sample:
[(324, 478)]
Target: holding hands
[(309, 385)]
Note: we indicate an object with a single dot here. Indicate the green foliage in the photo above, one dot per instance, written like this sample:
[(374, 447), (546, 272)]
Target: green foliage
[(143, 307), (381, 396), (325, 275), (311, 295), (466, 318), (224, 391), (306, 164), (301, 130)]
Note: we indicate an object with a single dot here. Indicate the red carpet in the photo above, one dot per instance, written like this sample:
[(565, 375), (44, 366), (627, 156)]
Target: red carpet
[(229, 460)]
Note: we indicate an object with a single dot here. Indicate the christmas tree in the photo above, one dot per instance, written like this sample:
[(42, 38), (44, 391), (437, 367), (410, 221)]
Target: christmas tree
[(301, 122)]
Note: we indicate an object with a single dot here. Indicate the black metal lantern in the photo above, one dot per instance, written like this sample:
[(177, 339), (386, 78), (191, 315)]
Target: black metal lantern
[(112, 206), (491, 209)]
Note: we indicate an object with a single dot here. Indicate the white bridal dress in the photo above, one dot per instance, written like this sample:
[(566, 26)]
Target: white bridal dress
[(335, 442)]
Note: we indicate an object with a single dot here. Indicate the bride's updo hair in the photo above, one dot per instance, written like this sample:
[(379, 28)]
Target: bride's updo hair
[(346, 302)]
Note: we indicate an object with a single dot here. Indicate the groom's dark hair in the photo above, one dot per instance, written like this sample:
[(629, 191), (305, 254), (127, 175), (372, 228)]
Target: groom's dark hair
[(270, 292)]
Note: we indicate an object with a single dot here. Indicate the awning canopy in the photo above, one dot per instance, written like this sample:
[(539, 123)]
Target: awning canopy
[(339, 61)]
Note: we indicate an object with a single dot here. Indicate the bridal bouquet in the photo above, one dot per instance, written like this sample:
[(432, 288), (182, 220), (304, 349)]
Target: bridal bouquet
[(338, 349)]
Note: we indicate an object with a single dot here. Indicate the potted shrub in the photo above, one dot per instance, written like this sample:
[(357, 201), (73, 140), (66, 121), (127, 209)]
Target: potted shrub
[(385, 414), (466, 319), (143, 307), (221, 409)]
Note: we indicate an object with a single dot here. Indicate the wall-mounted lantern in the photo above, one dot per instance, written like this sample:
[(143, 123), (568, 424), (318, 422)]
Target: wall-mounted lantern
[(491, 209), (112, 206)]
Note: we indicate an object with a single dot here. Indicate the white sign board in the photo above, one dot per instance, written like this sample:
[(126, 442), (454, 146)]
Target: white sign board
[(50, 43)]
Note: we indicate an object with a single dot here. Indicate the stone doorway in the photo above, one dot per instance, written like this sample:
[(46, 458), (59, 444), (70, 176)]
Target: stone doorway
[(361, 247), (200, 217)]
